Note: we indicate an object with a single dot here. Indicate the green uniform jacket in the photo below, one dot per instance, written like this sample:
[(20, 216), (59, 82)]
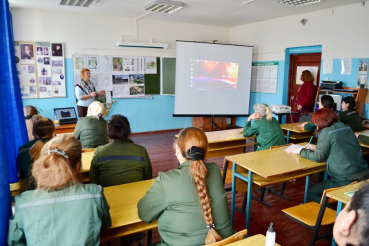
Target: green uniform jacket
[(120, 163), (364, 139), (24, 163), (91, 132), (71, 216), (268, 133), (338, 146), (174, 200), (352, 119)]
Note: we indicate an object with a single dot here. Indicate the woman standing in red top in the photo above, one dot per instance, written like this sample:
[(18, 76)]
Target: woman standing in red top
[(305, 95)]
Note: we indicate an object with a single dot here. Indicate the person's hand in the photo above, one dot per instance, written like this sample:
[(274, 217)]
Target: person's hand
[(357, 135), (93, 94), (102, 92), (299, 107), (254, 116), (294, 150), (302, 125), (311, 147)]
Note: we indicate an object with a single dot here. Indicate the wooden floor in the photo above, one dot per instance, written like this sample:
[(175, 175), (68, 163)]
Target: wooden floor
[(159, 146)]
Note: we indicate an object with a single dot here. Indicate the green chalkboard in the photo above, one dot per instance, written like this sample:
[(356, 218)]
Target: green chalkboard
[(152, 81), (168, 79)]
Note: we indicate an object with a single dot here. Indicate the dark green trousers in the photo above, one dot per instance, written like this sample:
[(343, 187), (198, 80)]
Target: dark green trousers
[(315, 192)]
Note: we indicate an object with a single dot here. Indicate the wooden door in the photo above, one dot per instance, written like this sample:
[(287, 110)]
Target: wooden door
[(299, 62)]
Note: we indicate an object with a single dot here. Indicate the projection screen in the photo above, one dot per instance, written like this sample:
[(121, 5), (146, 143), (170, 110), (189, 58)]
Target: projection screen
[(212, 79)]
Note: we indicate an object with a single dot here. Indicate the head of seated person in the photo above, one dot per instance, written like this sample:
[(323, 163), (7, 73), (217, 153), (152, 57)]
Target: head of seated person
[(43, 130), (323, 118), (119, 129), (348, 103), (96, 110), (326, 101), (59, 163), (261, 110), (352, 224), (29, 111)]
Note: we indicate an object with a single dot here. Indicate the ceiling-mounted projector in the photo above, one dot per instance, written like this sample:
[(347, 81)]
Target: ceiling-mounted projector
[(142, 45)]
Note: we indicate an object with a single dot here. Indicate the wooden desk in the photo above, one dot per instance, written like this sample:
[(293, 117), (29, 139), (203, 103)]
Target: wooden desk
[(86, 161), (274, 165), (257, 240), (296, 132), (67, 128), (123, 200)]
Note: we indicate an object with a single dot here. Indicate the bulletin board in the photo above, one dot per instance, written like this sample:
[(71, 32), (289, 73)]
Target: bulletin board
[(40, 69), (264, 77)]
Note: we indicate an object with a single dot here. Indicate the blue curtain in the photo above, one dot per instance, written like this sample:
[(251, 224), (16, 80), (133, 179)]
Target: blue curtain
[(13, 131)]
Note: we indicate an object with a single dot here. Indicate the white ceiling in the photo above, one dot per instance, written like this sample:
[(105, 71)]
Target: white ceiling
[(227, 13)]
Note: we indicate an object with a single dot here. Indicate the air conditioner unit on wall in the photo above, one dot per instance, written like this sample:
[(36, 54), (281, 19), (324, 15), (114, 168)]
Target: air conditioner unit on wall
[(142, 45)]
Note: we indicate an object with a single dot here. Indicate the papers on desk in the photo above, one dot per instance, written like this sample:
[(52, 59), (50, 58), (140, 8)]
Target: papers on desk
[(293, 146), (350, 193)]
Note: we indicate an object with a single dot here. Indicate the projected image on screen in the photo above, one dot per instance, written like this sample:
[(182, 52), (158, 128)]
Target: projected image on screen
[(213, 75)]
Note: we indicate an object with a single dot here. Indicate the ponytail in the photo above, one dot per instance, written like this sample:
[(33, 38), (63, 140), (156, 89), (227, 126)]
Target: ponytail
[(43, 129), (192, 136), (199, 171), (268, 112)]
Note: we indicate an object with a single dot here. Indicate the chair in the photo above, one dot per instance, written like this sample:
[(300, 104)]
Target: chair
[(235, 237), (88, 150), (18, 188), (313, 215), (305, 117)]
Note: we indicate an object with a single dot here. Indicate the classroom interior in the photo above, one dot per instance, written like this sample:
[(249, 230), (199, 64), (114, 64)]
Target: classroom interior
[(336, 31)]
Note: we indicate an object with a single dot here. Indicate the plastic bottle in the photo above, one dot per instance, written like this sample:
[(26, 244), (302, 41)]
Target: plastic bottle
[(270, 236), (56, 120)]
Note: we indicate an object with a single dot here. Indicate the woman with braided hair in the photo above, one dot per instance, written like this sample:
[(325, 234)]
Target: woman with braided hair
[(43, 130), (190, 202), (61, 211)]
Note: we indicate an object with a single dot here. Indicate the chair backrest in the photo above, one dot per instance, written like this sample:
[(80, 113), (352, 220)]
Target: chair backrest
[(305, 117), (331, 200), (279, 146), (88, 150), (235, 237)]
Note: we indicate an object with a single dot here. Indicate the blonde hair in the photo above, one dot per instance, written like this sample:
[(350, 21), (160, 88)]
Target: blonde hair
[(188, 137), (43, 128), (263, 109), (29, 111), (83, 71), (96, 109), (53, 170)]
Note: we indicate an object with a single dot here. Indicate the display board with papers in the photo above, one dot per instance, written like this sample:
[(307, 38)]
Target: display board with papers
[(121, 75), (40, 69), (264, 77)]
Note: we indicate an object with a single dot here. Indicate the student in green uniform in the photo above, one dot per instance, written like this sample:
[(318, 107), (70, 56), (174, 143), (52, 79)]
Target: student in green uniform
[(120, 161), (43, 130), (349, 116), (266, 128), (92, 129), (351, 226), (326, 101), (62, 211), (338, 146), (190, 202)]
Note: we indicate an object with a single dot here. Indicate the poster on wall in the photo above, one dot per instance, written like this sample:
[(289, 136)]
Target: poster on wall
[(346, 66), (92, 64), (363, 66), (314, 71), (150, 65), (264, 77), (327, 66), (38, 70)]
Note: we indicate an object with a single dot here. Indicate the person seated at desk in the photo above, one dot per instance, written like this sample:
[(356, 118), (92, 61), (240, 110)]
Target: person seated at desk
[(92, 130), (266, 128), (120, 161), (62, 211), (43, 130), (29, 111), (351, 226), (326, 101), (349, 116), (179, 197), (338, 146)]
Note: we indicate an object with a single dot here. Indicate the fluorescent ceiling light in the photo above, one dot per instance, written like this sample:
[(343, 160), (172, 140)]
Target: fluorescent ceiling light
[(128, 44), (78, 3), (298, 2), (164, 6)]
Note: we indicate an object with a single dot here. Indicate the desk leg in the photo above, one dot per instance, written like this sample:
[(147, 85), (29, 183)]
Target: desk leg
[(306, 188), (225, 167), (325, 176), (280, 119), (339, 208), (288, 136), (233, 192), (248, 207)]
